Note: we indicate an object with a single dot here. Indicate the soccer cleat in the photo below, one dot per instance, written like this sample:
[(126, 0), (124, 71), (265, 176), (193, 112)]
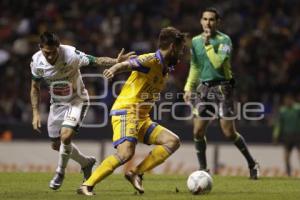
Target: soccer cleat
[(87, 170), (206, 170), (135, 180), (57, 181), (254, 171), (85, 190)]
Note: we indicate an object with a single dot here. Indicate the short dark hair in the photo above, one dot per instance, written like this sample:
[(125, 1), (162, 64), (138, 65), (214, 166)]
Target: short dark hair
[(213, 10), (48, 38), (170, 35)]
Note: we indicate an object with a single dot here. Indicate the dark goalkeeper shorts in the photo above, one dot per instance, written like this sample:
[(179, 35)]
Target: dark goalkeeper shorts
[(214, 100), (290, 141)]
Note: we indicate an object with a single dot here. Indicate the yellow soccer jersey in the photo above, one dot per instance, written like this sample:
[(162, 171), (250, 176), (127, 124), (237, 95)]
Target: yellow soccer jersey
[(143, 86)]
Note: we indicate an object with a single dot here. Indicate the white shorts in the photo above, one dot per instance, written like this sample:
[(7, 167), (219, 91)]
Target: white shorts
[(66, 115)]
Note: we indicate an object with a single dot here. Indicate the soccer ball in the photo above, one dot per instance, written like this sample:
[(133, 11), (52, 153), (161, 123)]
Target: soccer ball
[(199, 182)]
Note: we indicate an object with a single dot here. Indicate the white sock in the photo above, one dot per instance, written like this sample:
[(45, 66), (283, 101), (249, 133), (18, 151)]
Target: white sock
[(64, 155), (78, 156)]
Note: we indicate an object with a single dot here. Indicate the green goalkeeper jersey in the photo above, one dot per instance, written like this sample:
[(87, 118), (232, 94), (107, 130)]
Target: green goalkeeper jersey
[(288, 121), (209, 62)]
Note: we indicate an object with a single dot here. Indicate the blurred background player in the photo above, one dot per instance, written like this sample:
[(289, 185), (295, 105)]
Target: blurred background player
[(287, 129), (130, 112), (59, 65), (210, 65)]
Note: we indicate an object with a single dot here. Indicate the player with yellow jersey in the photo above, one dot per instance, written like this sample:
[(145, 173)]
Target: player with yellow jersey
[(130, 112)]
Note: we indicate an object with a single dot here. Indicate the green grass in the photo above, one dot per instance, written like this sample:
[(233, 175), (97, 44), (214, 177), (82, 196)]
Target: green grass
[(35, 186)]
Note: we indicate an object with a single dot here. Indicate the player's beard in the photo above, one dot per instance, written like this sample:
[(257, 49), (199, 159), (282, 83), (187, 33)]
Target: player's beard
[(173, 59)]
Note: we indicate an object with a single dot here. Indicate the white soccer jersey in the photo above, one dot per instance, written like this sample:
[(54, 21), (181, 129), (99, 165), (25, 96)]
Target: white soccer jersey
[(64, 77)]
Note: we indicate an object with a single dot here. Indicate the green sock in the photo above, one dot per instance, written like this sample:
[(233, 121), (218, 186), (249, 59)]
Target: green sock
[(240, 143), (200, 145)]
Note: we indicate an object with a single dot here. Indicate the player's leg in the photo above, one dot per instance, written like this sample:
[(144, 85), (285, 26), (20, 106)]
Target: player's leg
[(124, 139), (55, 143), (70, 150), (86, 162), (73, 114), (55, 118), (298, 151), (199, 130), (125, 152), (288, 146), (166, 144), (204, 111), (229, 130), (224, 94), (65, 150)]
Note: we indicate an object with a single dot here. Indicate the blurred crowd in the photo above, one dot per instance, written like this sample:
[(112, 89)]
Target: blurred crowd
[(265, 35)]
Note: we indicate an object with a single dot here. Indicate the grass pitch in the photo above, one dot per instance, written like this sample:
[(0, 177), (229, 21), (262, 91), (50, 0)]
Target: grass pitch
[(32, 186)]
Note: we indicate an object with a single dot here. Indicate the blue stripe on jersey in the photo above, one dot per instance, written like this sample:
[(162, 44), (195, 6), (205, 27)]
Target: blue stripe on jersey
[(118, 112), (136, 65), (161, 60), (142, 69)]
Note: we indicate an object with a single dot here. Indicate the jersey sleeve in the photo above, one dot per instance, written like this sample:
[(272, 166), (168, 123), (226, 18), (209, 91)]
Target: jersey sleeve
[(223, 53), (141, 63), (80, 59), (35, 73), (194, 73)]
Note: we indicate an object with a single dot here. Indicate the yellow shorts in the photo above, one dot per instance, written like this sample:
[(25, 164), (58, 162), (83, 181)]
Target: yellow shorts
[(127, 126)]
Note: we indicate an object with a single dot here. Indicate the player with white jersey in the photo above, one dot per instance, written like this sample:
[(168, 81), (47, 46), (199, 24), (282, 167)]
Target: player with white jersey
[(59, 66)]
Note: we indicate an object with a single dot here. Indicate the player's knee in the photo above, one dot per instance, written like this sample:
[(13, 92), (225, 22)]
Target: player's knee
[(125, 154), (66, 135), (66, 139), (173, 143), (199, 132), (176, 143), (229, 133)]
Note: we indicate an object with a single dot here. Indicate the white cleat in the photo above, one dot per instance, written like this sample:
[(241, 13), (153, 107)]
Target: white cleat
[(254, 171), (135, 180), (57, 181), (85, 190)]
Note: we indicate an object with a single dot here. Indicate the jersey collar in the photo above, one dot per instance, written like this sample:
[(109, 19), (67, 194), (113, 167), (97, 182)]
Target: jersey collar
[(59, 59), (161, 60)]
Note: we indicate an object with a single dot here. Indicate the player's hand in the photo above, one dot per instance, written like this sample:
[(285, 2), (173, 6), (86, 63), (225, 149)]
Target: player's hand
[(121, 57), (36, 121), (187, 97), (108, 74), (207, 35)]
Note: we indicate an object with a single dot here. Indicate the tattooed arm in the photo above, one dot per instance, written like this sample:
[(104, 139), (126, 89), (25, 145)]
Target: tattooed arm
[(105, 61), (108, 62)]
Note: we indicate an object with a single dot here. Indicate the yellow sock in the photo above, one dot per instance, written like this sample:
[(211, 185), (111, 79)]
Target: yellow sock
[(105, 168), (157, 156)]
